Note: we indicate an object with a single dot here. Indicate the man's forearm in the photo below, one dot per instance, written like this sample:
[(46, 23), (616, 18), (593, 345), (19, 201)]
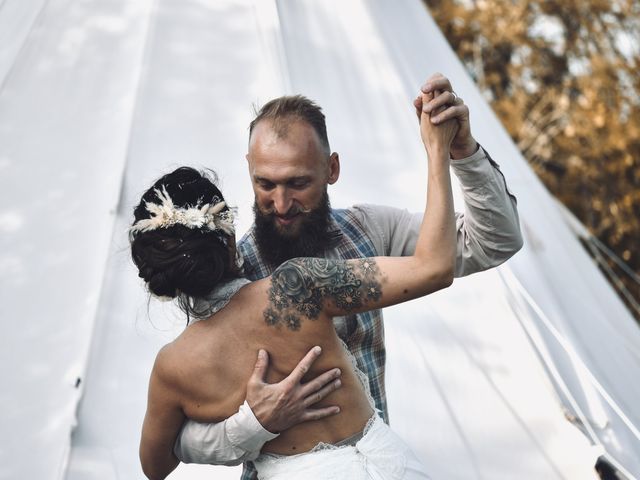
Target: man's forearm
[(489, 231), (235, 440)]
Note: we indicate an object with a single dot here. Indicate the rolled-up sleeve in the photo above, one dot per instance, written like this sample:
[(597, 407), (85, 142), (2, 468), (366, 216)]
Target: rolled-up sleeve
[(488, 231), (233, 441)]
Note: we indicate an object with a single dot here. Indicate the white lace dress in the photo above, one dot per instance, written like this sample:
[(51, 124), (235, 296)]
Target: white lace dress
[(379, 455)]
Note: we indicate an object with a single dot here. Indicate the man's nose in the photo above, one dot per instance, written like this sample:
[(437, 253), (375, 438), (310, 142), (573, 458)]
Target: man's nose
[(281, 200)]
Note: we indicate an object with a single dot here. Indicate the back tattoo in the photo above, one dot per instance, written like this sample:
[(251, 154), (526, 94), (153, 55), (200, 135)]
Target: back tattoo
[(300, 286)]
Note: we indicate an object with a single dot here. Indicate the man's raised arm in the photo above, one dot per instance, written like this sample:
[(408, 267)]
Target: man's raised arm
[(488, 231)]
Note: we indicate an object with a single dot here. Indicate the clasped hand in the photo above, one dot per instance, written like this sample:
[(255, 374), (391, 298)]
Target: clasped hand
[(439, 107)]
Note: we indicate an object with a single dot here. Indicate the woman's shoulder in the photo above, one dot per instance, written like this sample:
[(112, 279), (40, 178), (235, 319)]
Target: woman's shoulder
[(193, 346), (164, 367), (181, 364)]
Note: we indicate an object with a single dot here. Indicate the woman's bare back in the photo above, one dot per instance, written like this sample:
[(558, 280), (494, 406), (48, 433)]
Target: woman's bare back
[(212, 360)]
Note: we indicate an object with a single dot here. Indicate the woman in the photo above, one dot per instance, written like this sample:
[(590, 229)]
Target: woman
[(183, 245)]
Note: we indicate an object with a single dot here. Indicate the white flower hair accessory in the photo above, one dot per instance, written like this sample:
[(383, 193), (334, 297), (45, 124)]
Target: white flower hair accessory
[(209, 216)]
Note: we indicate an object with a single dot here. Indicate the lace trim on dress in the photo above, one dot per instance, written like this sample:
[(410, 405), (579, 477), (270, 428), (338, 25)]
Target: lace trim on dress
[(218, 298)]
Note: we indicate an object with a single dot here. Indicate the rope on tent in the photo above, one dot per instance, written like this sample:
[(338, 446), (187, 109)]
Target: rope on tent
[(510, 280), (615, 278), (612, 255), (596, 246)]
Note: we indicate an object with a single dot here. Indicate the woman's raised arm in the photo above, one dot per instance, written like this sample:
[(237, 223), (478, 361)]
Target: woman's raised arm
[(309, 287)]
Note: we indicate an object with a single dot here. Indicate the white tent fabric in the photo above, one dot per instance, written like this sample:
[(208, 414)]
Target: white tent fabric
[(99, 97)]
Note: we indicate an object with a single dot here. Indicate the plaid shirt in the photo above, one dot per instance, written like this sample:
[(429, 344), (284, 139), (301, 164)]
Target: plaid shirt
[(363, 333)]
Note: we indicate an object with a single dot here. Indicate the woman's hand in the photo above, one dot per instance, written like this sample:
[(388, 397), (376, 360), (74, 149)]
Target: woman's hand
[(444, 104), (436, 137)]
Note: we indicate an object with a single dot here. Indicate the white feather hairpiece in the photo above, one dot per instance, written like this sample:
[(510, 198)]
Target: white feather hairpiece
[(165, 214)]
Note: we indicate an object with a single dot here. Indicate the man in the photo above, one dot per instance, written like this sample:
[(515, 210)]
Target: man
[(291, 165)]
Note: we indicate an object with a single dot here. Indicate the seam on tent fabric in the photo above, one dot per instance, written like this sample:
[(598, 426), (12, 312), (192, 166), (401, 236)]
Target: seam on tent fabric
[(510, 280)]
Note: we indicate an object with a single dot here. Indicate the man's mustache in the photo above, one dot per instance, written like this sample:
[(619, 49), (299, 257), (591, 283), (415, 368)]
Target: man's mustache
[(292, 212)]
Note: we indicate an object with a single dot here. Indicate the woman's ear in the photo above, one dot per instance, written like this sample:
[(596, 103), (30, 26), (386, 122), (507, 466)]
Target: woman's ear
[(235, 262)]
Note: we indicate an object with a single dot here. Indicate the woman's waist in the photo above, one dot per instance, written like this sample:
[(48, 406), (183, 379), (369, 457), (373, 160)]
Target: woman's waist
[(333, 430), (378, 453)]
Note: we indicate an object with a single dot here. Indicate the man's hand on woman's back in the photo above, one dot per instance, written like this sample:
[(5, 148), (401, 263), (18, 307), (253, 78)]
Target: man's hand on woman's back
[(279, 406)]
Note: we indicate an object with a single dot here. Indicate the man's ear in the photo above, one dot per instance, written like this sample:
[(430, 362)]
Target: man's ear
[(334, 168), (248, 159)]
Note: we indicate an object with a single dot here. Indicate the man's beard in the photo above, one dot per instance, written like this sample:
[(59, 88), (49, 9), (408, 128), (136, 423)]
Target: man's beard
[(310, 240)]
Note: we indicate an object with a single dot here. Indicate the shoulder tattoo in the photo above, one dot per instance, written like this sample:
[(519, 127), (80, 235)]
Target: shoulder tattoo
[(299, 287)]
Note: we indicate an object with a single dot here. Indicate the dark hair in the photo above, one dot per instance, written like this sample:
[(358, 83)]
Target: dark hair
[(282, 110), (178, 261)]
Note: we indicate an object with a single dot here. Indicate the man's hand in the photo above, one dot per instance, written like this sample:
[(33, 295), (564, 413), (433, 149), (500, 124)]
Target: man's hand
[(282, 405), (447, 105)]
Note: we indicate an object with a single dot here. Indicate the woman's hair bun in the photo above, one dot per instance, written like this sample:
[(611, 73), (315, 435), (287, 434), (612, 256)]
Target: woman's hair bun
[(177, 259)]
